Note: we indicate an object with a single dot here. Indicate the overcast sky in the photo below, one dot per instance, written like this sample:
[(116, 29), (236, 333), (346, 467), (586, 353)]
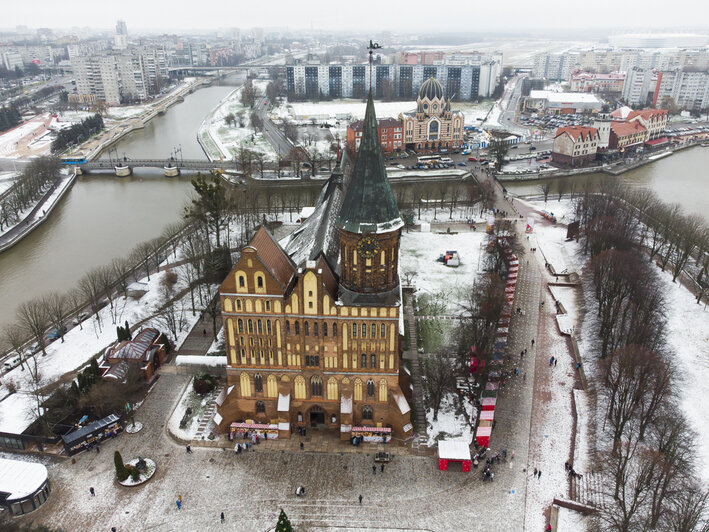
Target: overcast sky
[(397, 16)]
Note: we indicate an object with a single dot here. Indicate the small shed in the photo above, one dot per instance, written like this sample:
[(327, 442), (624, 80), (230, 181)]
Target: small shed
[(453, 451)]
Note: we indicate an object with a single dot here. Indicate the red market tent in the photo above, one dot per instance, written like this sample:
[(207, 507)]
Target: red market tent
[(453, 451)]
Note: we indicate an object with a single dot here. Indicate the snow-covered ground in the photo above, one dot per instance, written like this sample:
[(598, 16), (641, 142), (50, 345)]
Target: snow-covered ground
[(191, 400), (450, 424), (222, 140), (6, 180), (10, 141), (571, 521), (419, 252)]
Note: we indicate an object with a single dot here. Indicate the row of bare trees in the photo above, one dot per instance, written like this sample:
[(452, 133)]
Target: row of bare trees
[(646, 447), (27, 188)]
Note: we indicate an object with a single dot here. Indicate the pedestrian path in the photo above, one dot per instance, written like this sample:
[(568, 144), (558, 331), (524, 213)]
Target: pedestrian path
[(206, 417)]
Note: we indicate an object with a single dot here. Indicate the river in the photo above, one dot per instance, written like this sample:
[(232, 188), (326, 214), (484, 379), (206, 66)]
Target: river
[(680, 178), (103, 217)]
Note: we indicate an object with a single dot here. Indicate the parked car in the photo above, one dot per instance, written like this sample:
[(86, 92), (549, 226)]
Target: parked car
[(11, 363), (461, 164), (472, 159), (56, 333), (79, 318), (532, 148)]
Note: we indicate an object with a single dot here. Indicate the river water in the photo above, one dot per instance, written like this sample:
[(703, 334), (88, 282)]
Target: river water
[(680, 178), (103, 217)]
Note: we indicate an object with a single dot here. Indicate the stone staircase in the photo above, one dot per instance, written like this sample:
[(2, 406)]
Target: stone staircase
[(587, 490), (421, 438), (208, 414)]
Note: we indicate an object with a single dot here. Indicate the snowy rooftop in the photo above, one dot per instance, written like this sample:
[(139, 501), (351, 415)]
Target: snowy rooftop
[(15, 413), (19, 479), (453, 450)]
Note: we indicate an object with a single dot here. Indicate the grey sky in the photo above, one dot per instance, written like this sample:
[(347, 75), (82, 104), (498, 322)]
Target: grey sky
[(397, 16)]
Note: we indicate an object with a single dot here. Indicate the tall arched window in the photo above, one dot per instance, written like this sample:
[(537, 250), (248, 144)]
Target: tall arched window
[(383, 391), (238, 304), (260, 407), (299, 385), (358, 390), (251, 326), (316, 385), (258, 383), (370, 388), (332, 389), (374, 330), (306, 328), (271, 386), (364, 360), (245, 385), (287, 327), (373, 363), (242, 281), (240, 323), (259, 326), (364, 330), (334, 329), (315, 329), (324, 329), (367, 412), (354, 330), (384, 330), (297, 327), (268, 326)]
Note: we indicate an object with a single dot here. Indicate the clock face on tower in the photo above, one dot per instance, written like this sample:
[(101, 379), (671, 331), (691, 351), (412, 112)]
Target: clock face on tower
[(367, 247)]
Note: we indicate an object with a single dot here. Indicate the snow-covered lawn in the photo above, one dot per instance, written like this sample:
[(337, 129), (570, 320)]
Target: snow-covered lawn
[(198, 405), (451, 424), (10, 140), (419, 252), (346, 109), (6, 180)]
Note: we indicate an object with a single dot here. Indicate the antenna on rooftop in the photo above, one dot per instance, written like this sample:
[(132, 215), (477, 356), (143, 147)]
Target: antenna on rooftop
[(372, 46)]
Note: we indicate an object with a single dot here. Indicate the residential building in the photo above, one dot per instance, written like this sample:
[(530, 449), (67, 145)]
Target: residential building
[(433, 125), (11, 60), (653, 120), (641, 86), (390, 130), (626, 135), (395, 81), (557, 67), (605, 83), (307, 346), (575, 146), (555, 103), (651, 87)]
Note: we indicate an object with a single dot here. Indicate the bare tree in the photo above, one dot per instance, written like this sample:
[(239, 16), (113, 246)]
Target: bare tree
[(32, 316), (57, 307), (439, 373), (545, 188), (16, 337), (92, 290), (141, 255)]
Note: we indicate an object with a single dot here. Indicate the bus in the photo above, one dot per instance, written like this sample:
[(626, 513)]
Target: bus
[(428, 159), (74, 159)]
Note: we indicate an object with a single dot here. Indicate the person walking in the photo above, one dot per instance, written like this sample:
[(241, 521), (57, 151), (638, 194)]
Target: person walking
[(535, 472), (302, 447), (532, 342), (204, 332), (374, 470), (555, 361), (189, 449), (178, 502), (179, 498), (360, 498), (551, 360), (92, 491), (524, 377), (382, 469), (540, 474), (222, 517)]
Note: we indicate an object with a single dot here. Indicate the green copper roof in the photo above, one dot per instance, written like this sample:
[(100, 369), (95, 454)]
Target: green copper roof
[(369, 205)]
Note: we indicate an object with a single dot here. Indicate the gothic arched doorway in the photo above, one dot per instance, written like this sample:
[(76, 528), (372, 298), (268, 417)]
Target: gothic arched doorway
[(316, 416)]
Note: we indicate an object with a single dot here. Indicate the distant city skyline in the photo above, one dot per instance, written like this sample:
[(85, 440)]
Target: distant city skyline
[(150, 15)]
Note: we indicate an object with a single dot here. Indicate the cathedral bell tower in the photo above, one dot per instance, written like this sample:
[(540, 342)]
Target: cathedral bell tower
[(369, 222)]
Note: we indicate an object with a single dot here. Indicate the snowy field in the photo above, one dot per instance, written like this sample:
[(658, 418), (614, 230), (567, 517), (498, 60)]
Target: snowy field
[(10, 140), (419, 252)]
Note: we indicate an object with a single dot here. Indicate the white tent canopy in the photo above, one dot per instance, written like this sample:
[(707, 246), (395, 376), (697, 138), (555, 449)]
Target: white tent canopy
[(453, 450)]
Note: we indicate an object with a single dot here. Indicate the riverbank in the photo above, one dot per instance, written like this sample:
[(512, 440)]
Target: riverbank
[(610, 169), (38, 215)]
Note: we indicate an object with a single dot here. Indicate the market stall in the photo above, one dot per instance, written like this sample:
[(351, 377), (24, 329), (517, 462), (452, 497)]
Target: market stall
[(246, 430), (372, 434), (453, 451), (91, 434)]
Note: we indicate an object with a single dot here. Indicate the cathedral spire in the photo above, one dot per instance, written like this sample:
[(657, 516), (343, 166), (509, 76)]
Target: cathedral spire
[(369, 205)]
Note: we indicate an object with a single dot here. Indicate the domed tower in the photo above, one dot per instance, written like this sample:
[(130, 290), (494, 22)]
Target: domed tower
[(431, 100), (369, 223)]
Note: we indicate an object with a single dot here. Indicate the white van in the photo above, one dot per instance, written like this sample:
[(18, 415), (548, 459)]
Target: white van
[(447, 160), (11, 363)]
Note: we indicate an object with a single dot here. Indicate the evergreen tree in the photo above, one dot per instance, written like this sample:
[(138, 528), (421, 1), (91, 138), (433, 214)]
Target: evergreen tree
[(94, 367), (121, 471), (283, 524)]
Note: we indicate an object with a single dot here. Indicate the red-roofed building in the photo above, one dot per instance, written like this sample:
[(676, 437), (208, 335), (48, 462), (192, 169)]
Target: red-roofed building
[(625, 135), (391, 134), (653, 120), (575, 145)]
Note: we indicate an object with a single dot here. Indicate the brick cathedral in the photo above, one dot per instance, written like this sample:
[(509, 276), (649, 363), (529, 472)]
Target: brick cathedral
[(312, 321)]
